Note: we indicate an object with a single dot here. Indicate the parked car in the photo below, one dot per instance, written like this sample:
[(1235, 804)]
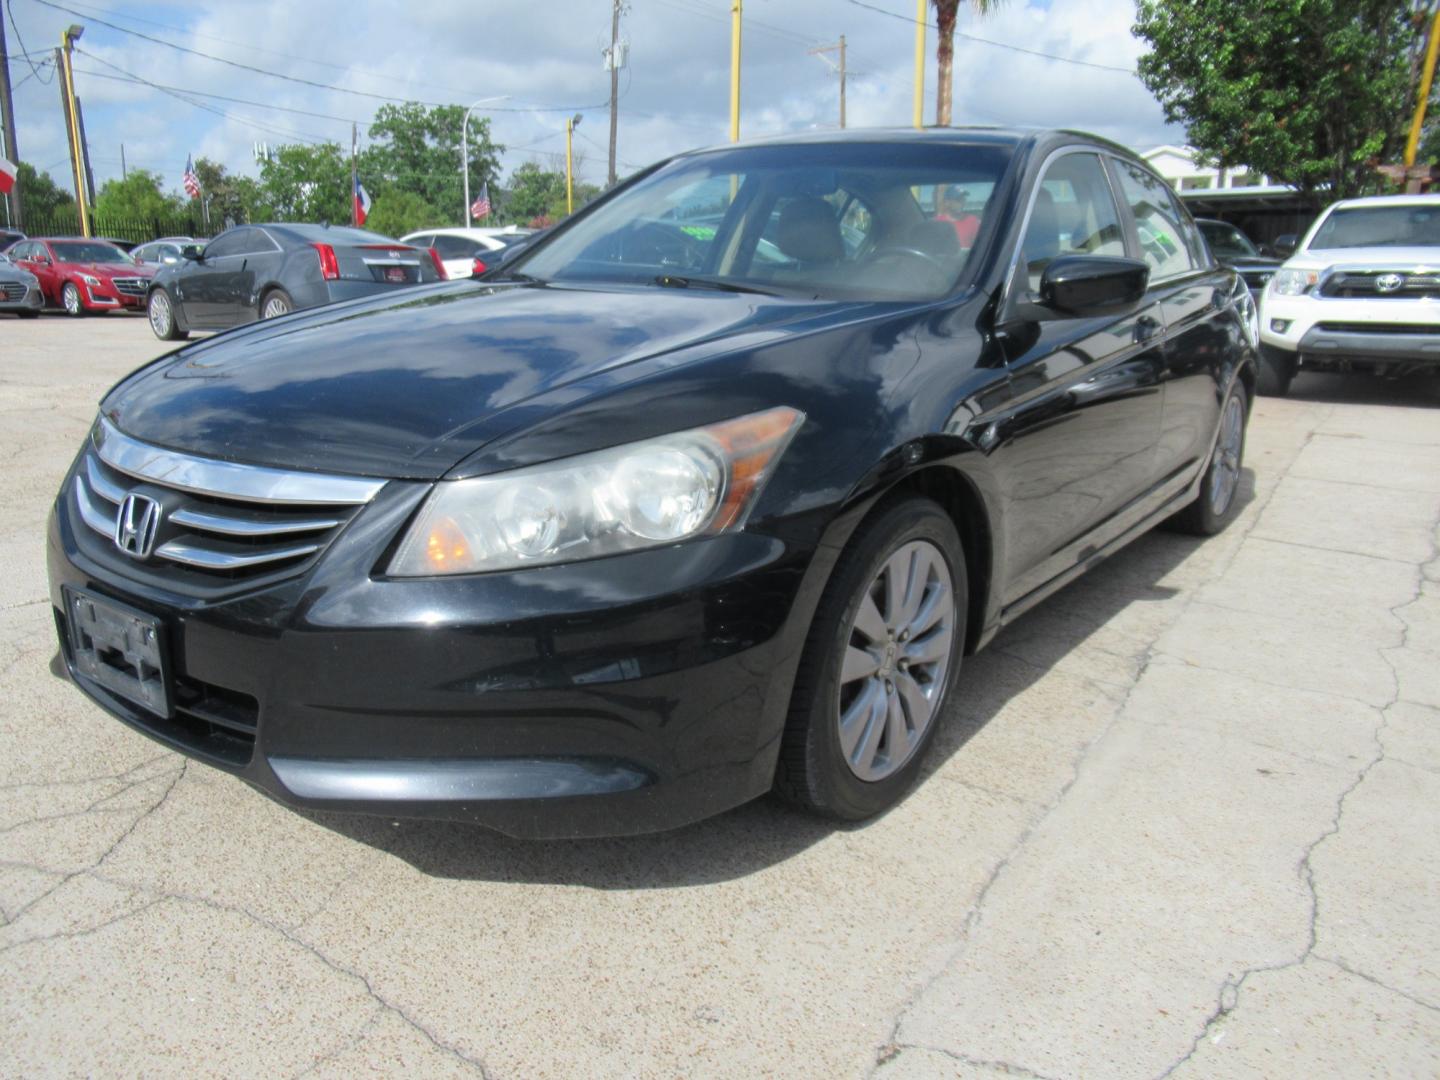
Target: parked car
[(124, 245), (254, 272), (466, 252), (1234, 249), (9, 238), (1359, 294), (19, 290), (645, 527), (163, 252), (82, 276)]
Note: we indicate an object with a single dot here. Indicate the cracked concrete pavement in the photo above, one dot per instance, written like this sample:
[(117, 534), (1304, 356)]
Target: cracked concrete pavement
[(1183, 820)]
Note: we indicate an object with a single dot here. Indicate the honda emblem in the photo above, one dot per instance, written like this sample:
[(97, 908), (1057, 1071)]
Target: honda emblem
[(136, 525)]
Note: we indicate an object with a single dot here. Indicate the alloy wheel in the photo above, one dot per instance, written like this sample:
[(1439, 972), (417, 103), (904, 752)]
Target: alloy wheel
[(70, 298), (1225, 463), (274, 308), (897, 656), (160, 314)]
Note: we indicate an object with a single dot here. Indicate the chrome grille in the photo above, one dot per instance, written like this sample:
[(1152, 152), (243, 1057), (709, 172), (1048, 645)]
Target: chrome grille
[(1367, 285), (220, 522), (12, 290), (130, 286)]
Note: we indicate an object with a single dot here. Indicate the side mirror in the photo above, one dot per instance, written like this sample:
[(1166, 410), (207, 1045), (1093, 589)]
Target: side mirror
[(1074, 286), (193, 252), (1285, 245)]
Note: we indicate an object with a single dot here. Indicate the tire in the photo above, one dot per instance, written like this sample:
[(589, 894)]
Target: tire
[(1277, 371), (161, 313), (70, 300), (275, 303), (832, 686), (1217, 504)]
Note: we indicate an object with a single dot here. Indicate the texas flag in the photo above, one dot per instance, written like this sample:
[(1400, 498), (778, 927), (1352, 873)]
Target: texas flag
[(362, 202), (7, 176)]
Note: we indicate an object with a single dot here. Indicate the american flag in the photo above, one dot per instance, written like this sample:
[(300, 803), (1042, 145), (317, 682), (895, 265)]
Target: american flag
[(190, 180), (481, 206)]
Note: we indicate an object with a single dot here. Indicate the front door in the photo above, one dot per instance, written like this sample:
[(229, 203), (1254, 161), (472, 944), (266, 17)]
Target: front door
[(1075, 445), (202, 286)]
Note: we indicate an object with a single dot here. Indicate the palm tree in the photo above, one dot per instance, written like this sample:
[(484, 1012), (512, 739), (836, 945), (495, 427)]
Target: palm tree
[(945, 13)]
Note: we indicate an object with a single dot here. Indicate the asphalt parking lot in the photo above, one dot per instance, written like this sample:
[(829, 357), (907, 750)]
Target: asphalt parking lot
[(1184, 820)]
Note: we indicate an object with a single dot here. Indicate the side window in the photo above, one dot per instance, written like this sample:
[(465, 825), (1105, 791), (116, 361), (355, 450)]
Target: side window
[(1074, 213), (227, 243), (1167, 238)]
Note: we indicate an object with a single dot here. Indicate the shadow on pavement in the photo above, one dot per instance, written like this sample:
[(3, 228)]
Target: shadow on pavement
[(765, 832), (1415, 390)]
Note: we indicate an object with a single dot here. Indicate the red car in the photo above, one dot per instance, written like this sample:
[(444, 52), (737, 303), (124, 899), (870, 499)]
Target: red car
[(84, 275)]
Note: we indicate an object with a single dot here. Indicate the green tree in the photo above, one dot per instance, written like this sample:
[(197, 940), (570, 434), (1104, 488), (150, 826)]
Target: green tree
[(40, 198), (306, 183), (417, 150), (534, 192), (1310, 92), (137, 196), (225, 194), (395, 212)]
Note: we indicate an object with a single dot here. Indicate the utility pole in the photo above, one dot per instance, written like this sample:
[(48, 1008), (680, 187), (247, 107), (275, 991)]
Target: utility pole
[(1412, 144), (735, 71), (72, 122), (7, 118), (570, 126), (920, 63), (840, 48), (124, 172), (613, 59)]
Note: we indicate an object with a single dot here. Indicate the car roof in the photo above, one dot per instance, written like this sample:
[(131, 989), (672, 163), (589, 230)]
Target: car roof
[(473, 230), (968, 135), (1388, 200)]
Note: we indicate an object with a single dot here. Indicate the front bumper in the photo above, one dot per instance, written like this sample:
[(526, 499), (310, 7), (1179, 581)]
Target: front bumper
[(106, 297), (1324, 329), (626, 695), (32, 300)]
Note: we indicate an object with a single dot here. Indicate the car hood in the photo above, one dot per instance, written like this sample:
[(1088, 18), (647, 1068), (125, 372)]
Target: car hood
[(107, 270), (9, 272), (1366, 258), (408, 386)]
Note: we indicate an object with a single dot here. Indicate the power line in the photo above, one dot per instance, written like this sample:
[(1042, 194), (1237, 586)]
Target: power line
[(296, 78), (34, 71), (987, 41), (217, 97)]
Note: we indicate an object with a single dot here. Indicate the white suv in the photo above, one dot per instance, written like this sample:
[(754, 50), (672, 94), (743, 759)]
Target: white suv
[(1361, 293)]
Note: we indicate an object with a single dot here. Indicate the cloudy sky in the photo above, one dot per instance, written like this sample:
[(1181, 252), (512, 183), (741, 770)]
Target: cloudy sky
[(544, 57)]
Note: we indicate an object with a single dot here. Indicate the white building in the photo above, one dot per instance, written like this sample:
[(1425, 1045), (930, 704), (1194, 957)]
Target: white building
[(1177, 165)]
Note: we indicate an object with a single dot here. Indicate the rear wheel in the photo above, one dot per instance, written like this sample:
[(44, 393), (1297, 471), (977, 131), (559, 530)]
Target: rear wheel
[(1277, 371), (1217, 504), (878, 664), (70, 300), (162, 316), (275, 303)]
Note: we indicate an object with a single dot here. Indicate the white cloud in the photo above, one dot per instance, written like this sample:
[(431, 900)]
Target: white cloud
[(674, 93)]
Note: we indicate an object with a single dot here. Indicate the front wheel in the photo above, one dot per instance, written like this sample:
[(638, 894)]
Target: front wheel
[(277, 302), (1217, 504), (878, 664), (162, 317), (70, 300)]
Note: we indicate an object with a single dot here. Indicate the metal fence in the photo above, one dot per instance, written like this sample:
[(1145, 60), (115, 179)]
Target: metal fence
[(134, 230)]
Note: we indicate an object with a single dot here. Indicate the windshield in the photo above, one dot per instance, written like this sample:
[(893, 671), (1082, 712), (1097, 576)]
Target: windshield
[(1380, 226), (865, 221), (1226, 241), (73, 252)]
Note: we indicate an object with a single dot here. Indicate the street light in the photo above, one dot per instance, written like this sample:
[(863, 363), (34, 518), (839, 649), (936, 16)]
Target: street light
[(465, 150), (68, 37), (570, 126)]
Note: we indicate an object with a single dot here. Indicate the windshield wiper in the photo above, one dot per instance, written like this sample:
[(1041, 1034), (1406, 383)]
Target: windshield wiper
[(670, 281)]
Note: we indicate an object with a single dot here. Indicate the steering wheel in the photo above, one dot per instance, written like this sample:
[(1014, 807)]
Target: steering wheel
[(914, 253)]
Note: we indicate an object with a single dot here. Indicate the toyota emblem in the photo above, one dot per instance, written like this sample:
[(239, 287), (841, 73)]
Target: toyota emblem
[(136, 525), (1389, 282)]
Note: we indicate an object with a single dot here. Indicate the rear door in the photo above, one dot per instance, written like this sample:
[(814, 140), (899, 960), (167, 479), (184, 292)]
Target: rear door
[(1194, 294), (1076, 446)]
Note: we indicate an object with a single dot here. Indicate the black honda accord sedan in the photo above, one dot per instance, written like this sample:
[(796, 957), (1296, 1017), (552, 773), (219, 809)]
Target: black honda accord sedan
[(706, 494)]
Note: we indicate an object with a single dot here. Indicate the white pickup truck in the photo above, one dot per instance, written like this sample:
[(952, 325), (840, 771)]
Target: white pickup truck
[(1361, 293)]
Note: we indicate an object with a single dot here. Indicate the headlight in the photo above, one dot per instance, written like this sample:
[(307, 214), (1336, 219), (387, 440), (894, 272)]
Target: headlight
[(645, 494), (93, 282), (1293, 282)]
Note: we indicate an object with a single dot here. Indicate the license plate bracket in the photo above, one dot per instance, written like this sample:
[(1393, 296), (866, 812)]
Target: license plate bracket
[(120, 648)]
